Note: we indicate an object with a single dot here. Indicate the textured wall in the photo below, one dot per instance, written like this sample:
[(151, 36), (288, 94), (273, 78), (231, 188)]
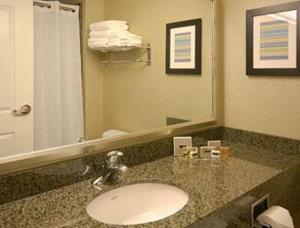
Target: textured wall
[(137, 97), (265, 104)]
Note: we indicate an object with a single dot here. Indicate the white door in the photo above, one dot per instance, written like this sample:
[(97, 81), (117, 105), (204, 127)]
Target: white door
[(16, 76)]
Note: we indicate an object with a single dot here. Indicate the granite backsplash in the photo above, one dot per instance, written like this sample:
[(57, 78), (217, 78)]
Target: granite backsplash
[(30, 182)]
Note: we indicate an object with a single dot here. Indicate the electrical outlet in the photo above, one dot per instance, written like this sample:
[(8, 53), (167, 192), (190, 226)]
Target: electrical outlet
[(257, 208), (180, 143)]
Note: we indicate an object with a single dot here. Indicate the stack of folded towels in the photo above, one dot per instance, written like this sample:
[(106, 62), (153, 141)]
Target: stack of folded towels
[(106, 34)]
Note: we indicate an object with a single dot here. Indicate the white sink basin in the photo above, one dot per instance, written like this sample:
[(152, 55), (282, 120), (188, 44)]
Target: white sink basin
[(137, 204)]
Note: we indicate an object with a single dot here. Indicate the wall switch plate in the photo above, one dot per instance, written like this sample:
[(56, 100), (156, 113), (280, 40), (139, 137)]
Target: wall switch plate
[(180, 143)]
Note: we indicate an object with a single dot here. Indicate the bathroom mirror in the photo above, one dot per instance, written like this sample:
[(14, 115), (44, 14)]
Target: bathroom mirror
[(56, 91)]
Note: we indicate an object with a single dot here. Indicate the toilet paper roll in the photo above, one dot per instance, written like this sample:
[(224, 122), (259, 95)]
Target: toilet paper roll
[(277, 217)]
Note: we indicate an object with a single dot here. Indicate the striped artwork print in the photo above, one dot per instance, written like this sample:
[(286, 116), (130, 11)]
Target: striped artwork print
[(274, 37), (183, 47)]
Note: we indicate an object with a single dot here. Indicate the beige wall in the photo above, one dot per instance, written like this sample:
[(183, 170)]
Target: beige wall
[(93, 10), (138, 97), (266, 104)]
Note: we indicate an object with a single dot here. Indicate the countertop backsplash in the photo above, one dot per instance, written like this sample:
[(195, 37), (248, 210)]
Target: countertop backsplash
[(27, 183)]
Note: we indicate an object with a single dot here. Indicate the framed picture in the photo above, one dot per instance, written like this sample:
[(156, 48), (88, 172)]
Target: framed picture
[(273, 40), (183, 47)]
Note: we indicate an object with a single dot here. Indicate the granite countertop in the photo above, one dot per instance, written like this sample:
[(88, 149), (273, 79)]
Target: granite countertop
[(209, 184)]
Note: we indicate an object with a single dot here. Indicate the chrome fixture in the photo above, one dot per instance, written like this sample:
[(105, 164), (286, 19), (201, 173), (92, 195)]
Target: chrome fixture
[(148, 61), (24, 110), (111, 170)]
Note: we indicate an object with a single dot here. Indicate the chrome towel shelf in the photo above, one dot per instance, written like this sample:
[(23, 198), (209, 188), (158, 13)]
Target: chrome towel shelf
[(126, 48)]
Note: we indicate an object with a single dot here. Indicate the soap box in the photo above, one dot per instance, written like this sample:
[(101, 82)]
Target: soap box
[(214, 143)]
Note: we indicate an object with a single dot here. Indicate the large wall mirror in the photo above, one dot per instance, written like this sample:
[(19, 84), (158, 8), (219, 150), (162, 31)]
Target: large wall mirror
[(56, 91)]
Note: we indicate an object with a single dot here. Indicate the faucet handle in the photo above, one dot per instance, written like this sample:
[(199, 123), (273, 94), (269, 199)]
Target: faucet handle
[(112, 157)]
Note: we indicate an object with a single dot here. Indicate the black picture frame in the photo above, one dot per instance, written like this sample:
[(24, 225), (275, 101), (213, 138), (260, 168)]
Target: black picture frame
[(250, 14), (198, 46)]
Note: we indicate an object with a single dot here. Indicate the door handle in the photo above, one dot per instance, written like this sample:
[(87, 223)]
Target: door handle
[(24, 110)]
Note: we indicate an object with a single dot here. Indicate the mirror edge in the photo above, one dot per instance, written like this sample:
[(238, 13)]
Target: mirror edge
[(50, 156)]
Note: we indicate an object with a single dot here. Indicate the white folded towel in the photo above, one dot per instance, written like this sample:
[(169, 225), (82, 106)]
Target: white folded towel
[(112, 34), (99, 47), (136, 42), (113, 43), (109, 25), (107, 35), (116, 27), (96, 40), (114, 40), (111, 22)]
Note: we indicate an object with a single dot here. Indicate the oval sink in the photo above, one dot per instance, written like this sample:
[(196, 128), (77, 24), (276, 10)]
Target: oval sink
[(137, 204)]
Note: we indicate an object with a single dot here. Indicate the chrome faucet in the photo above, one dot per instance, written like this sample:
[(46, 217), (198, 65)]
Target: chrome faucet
[(111, 171)]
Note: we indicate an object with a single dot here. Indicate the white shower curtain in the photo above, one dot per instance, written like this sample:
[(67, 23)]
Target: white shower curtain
[(58, 102)]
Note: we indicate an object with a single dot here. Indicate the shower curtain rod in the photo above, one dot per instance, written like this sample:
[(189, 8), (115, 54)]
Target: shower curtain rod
[(41, 4)]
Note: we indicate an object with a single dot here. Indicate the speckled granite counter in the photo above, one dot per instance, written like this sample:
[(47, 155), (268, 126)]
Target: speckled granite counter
[(210, 185)]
